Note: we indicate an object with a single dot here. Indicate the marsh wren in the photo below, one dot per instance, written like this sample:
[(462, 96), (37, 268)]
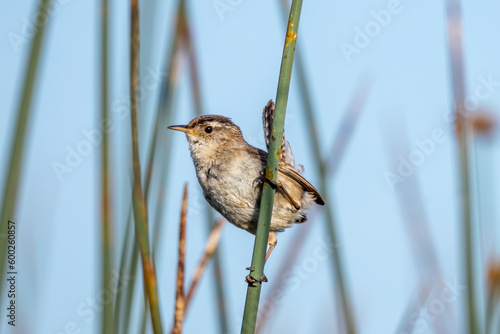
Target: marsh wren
[(231, 171)]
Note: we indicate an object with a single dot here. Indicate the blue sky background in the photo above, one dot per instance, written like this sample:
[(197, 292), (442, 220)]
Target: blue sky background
[(239, 51)]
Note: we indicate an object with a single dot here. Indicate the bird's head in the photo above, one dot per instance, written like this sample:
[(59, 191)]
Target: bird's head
[(211, 134)]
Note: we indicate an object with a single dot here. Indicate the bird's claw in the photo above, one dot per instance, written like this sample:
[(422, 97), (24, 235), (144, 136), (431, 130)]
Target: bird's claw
[(273, 184), (250, 280)]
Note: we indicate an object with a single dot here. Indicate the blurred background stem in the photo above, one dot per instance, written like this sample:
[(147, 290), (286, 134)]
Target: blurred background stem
[(15, 165), (455, 33), (338, 147), (220, 294), (331, 226)]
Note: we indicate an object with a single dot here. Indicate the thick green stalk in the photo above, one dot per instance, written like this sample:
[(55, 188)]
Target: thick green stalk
[(272, 164), (107, 314), (139, 204), (222, 311), (19, 135), (463, 133)]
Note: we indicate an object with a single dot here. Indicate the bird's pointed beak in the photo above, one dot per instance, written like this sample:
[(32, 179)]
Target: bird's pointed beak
[(183, 128)]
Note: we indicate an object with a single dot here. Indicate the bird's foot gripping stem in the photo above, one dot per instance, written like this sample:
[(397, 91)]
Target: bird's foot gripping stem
[(250, 280)]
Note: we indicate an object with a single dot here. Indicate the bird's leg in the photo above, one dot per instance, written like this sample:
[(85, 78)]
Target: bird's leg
[(272, 241), (281, 187)]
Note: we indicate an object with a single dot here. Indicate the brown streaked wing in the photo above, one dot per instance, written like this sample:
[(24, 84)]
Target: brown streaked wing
[(292, 174), (297, 177)]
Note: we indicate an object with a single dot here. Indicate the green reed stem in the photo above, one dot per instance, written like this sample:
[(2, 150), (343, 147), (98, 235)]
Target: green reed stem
[(164, 113), (14, 169), (331, 224), (106, 223), (272, 164), (121, 295), (463, 136), (139, 203)]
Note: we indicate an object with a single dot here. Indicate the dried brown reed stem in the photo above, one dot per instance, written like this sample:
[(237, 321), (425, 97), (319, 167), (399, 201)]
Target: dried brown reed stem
[(210, 247), (180, 299)]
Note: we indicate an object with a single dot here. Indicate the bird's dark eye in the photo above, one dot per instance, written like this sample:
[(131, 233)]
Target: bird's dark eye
[(209, 129)]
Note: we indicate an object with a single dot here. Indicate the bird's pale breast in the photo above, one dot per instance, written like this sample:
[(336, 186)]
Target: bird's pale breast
[(233, 188)]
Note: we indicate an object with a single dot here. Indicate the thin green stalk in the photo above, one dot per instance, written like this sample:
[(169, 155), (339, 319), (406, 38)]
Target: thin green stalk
[(144, 323), (222, 310), (331, 228), (491, 302), (410, 200), (13, 172), (463, 134), (139, 204), (124, 256), (164, 112), (165, 97), (164, 162), (347, 127), (106, 223), (338, 148), (340, 142), (123, 272), (132, 272), (272, 164)]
